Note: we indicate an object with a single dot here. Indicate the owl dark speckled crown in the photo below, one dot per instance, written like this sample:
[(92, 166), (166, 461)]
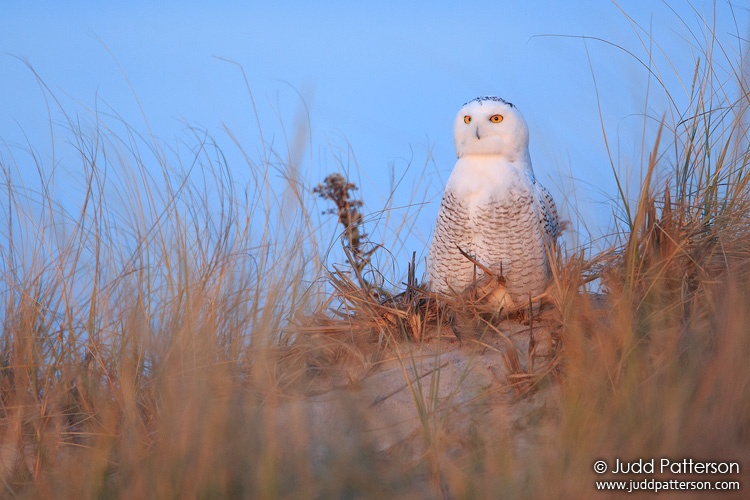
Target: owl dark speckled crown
[(482, 99)]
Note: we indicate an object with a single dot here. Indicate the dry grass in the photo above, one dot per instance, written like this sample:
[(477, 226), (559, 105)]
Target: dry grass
[(158, 342)]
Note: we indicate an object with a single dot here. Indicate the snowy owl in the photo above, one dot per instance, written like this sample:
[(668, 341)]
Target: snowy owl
[(493, 208)]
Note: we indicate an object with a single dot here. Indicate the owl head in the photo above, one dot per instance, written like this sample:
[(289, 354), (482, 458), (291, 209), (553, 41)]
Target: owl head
[(491, 126)]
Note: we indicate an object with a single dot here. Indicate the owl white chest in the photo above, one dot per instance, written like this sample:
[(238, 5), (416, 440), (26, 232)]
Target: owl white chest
[(477, 180)]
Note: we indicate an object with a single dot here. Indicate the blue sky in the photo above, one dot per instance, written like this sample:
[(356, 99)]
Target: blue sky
[(378, 84)]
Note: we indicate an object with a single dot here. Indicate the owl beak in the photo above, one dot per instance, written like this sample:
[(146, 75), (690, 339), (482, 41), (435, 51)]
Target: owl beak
[(477, 132)]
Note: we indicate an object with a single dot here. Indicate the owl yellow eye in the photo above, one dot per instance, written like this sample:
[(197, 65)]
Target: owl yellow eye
[(496, 118), (467, 119)]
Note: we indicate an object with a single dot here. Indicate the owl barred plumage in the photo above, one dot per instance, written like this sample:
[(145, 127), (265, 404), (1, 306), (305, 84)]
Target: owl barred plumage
[(493, 208)]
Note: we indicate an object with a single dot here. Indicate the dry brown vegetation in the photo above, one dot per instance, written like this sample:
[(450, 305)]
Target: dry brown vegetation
[(167, 340)]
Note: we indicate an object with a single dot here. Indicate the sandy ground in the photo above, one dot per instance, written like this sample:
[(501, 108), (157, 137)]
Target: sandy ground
[(438, 388)]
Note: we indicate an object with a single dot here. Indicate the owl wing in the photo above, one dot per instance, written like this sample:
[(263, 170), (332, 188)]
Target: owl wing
[(448, 270), (548, 217)]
